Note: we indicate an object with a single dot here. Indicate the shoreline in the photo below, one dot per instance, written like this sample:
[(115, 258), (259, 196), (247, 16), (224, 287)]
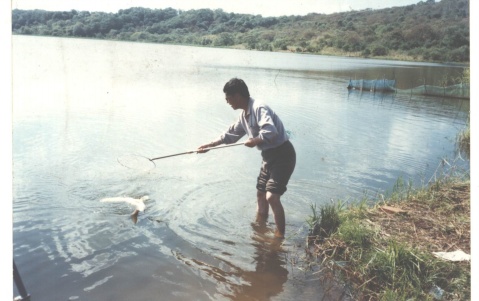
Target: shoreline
[(389, 251), (395, 57)]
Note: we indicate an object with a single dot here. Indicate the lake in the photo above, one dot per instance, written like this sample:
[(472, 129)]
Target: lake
[(79, 105)]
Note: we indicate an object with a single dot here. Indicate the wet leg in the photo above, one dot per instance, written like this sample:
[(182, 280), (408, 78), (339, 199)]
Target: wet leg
[(262, 210), (274, 201)]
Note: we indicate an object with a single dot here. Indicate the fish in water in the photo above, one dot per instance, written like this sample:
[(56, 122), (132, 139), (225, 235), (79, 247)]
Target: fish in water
[(139, 204)]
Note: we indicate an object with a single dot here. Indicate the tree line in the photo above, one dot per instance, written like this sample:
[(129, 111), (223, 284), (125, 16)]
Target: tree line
[(427, 31)]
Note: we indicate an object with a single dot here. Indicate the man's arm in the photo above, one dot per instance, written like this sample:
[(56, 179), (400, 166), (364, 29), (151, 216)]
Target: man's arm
[(268, 131), (208, 145), (252, 142)]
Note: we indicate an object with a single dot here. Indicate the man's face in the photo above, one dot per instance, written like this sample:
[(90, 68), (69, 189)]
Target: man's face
[(233, 100)]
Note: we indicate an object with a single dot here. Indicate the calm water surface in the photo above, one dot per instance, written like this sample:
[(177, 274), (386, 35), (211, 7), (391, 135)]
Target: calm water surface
[(80, 104)]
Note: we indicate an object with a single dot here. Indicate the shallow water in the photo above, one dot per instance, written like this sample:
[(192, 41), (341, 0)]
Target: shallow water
[(80, 104)]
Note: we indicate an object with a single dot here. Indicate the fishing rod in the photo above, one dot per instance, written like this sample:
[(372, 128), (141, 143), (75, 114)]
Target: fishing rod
[(134, 161)]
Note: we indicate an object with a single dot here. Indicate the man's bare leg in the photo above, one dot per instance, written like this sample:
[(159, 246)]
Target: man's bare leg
[(274, 201), (262, 210)]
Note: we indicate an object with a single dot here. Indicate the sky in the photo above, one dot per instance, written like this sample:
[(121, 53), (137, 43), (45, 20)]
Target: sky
[(265, 8)]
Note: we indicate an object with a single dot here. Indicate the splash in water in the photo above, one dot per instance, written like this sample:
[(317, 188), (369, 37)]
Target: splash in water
[(139, 204)]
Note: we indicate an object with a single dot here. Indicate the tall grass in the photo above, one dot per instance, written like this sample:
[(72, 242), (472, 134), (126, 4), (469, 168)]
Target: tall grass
[(464, 138), (379, 266), (326, 222)]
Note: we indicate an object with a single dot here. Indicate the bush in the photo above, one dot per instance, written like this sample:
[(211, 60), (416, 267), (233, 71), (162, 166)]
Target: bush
[(379, 51), (459, 55), (224, 39), (366, 52), (280, 44), (435, 54)]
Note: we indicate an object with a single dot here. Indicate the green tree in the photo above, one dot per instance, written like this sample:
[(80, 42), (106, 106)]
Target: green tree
[(425, 31), (224, 39)]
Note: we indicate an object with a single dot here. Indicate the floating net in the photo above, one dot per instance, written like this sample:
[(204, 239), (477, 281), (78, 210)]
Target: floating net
[(387, 85), (455, 91), (383, 85)]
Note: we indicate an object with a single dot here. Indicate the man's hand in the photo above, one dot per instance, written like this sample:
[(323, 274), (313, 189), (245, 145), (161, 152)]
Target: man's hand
[(252, 142), (202, 148)]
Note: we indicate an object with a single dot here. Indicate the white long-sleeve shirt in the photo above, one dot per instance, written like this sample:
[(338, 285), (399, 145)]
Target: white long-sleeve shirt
[(258, 120)]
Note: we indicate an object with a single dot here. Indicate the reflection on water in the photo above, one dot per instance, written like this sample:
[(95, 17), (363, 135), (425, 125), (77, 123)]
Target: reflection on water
[(270, 274), (262, 283), (78, 105)]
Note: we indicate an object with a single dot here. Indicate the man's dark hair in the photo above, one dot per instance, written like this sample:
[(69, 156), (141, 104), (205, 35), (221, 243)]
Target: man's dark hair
[(236, 85)]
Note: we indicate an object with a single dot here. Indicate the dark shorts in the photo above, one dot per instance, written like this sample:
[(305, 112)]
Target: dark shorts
[(276, 169)]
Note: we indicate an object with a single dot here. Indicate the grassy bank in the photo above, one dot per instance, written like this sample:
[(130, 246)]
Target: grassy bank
[(464, 138), (386, 251)]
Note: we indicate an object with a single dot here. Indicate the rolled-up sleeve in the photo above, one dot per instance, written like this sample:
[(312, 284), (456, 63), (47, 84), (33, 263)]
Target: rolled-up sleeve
[(234, 133)]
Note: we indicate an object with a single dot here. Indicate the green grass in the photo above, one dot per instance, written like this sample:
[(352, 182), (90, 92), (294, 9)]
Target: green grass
[(355, 244), (464, 139), (326, 222)]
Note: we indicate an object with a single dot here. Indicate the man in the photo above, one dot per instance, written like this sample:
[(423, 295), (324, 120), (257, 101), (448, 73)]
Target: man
[(265, 131)]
